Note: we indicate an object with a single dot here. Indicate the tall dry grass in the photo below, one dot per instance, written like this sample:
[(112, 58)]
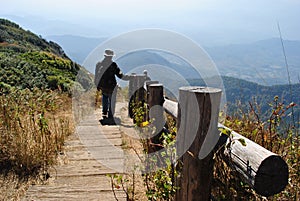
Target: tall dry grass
[(33, 128)]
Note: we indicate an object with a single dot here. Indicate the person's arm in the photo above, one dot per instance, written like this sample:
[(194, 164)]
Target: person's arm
[(120, 74)]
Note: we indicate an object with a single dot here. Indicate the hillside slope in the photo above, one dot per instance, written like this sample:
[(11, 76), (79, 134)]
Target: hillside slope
[(239, 93), (28, 61)]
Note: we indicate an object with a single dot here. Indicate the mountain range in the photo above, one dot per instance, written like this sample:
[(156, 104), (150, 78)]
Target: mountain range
[(262, 62), (241, 93)]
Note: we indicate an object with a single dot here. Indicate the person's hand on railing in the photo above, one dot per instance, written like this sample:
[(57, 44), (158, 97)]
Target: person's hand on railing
[(127, 77)]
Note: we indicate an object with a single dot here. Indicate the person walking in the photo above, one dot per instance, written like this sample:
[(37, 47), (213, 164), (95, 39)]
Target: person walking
[(105, 80)]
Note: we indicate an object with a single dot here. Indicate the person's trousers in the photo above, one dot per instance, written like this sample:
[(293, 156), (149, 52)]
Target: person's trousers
[(109, 104)]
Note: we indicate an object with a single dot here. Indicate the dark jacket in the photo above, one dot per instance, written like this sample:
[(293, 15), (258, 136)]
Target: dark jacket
[(105, 75)]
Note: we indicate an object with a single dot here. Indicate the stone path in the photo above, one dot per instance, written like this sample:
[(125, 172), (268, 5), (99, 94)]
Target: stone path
[(92, 153)]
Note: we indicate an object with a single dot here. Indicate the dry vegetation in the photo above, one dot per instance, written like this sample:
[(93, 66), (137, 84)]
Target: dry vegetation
[(34, 125)]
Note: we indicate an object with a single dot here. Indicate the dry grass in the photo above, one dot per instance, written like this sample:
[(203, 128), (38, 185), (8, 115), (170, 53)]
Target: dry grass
[(132, 146), (33, 128), (135, 185), (12, 187)]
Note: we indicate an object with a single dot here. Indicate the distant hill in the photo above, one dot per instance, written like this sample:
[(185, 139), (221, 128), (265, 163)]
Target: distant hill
[(29, 61), (150, 57), (262, 62), (239, 93), (245, 91)]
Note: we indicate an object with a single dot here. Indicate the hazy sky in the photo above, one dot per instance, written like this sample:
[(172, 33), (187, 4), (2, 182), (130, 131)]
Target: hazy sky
[(219, 20)]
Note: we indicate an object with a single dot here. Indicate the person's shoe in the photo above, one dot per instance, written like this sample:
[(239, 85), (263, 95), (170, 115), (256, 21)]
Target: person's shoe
[(111, 121)]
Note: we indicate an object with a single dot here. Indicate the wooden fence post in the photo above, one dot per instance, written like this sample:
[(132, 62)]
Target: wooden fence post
[(148, 83), (197, 114), (136, 91), (156, 112), (156, 98)]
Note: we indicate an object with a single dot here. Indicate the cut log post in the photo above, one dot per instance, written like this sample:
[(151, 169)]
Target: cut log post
[(266, 172), (156, 113), (155, 102), (148, 83), (136, 91), (197, 119)]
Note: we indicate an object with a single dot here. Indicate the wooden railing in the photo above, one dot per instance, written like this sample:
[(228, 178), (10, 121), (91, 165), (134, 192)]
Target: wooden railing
[(196, 114)]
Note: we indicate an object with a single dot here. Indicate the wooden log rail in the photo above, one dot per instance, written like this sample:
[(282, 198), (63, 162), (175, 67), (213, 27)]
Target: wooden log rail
[(264, 171)]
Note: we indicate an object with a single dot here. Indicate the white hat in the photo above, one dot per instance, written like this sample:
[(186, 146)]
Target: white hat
[(109, 53)]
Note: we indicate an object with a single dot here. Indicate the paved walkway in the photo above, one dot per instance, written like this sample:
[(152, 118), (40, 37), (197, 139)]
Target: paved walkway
[(92, 153)]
